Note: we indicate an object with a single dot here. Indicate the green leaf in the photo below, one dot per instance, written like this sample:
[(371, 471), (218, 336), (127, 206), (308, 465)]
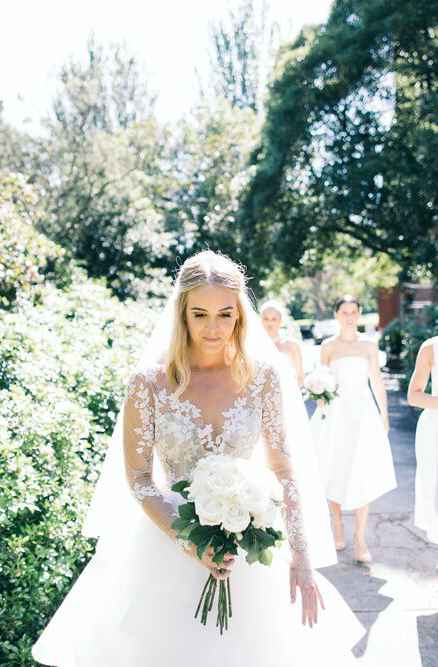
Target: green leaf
[(181, 524), (200, 534), (187, 511), (265, 557), (181, 486), (252, 556)]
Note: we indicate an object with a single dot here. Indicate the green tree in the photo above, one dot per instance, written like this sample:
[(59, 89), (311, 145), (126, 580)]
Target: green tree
[(242, 54), (350, 139), (324, 276), (102, 166), (207, 174)]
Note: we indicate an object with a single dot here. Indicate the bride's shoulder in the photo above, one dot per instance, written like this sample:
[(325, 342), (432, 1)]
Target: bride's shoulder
[(146, 377), (264, 371)]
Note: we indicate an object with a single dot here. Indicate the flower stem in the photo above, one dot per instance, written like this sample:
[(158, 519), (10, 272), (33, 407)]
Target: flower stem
[(230, 609), (202, 596)]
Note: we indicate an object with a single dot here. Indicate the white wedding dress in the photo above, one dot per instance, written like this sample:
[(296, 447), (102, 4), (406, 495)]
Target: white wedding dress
[(351, 443), (133, 606), (426, 449)]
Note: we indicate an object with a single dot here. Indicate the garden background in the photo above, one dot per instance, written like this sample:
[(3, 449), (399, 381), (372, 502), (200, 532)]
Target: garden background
[(314, 162)]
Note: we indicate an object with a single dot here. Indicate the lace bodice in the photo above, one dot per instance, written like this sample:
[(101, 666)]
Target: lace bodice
[(156, 422)]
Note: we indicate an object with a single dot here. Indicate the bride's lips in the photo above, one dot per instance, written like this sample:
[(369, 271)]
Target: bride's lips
[(212, 340)]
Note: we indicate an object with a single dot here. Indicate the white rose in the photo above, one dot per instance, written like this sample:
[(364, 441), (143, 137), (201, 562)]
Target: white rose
[(235, 518), (254, 497), (316, 386), (330, 382), (267, 518), (218, 475), (276, 491), (210, 510)]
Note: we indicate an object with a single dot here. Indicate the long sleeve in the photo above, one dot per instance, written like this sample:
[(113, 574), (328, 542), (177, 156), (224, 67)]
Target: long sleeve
[(138, 444), (279, 461)]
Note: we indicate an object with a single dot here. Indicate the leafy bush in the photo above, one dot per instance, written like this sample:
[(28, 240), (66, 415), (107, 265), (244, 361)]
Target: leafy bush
[(63, 363), (403, 340), (391, 339), (26, 256), (414, 334)]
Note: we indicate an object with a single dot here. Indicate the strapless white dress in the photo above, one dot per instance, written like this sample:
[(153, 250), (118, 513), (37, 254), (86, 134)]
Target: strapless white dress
[(426, 449), (351, 443)]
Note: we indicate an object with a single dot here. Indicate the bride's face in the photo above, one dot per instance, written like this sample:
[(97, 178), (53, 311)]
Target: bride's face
[(271, 321), (211, 316)]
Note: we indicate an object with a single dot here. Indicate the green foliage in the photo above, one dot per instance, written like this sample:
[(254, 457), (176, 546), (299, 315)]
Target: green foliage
[(404, 339), (414, 333), (391, 340), (323, 276), (209, 171), (63, 363), (27, 257), (350, 139), (242, 55)]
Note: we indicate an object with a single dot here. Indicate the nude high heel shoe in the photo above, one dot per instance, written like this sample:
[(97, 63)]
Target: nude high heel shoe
[(338, 534), (361, 553)]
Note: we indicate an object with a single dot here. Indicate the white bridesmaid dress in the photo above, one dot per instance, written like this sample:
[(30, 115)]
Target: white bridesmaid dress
[(426, 449), (351, 443)]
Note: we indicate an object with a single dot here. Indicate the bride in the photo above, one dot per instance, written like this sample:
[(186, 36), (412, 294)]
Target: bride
[(210, 381)]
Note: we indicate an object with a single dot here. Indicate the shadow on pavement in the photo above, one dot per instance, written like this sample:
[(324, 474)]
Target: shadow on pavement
[(427, 627), (361, 592)]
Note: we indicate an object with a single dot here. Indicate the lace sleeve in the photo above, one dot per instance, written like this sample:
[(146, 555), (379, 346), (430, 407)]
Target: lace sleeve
[(138, 445), (279, 461)]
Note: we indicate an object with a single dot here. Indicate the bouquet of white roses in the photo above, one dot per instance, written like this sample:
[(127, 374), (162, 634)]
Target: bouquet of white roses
[(320, 384), (231, 504)]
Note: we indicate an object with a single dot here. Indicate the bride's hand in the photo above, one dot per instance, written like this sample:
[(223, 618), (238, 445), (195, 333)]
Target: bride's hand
[(301, 576), (218, 570)]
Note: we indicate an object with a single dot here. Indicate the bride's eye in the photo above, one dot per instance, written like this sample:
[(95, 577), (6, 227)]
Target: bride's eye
[(226, 315)]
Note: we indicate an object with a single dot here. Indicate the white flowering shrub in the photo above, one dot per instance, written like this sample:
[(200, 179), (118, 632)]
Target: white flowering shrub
[(63, 366)]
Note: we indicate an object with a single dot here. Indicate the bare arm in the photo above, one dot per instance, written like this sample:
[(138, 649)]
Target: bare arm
[(377, 385), (294, 352), (419, 379), (324, 355)]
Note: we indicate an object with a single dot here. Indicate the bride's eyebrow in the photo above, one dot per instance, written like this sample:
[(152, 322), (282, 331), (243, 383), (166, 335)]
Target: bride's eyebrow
[(204, 310)]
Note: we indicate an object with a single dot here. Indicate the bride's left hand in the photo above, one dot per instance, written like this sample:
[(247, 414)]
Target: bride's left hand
[(302, 577)]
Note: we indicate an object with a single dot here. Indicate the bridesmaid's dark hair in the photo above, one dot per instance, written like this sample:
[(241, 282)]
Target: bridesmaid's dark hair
[(347, 298)]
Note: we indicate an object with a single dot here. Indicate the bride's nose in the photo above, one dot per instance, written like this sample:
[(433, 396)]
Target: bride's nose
[(212, 323)]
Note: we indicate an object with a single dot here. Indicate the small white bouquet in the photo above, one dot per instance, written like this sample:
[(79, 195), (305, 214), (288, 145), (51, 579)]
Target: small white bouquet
[(231, 503), (320, 384)]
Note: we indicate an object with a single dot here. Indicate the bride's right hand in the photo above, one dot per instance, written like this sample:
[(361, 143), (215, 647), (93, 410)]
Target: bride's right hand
[(219, 571), (301, 576)]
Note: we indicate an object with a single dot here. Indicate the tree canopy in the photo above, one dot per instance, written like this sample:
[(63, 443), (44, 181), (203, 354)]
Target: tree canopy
[(350, 139)]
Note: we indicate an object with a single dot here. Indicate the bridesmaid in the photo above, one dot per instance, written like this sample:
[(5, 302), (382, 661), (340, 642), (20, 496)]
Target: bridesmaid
[(352, 442), (272, 314), (426, 438)]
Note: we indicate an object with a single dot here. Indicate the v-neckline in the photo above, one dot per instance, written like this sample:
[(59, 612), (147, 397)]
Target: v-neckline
[(204, 426), (207, 428)]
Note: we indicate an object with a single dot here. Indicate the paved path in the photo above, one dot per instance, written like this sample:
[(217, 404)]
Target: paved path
[(396, 599)]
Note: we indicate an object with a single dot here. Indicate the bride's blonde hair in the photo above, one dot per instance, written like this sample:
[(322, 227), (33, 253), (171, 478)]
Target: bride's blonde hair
[(207, 268)]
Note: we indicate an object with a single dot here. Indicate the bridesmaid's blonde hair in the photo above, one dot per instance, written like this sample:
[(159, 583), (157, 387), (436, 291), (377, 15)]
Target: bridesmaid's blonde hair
[(207, 268)]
